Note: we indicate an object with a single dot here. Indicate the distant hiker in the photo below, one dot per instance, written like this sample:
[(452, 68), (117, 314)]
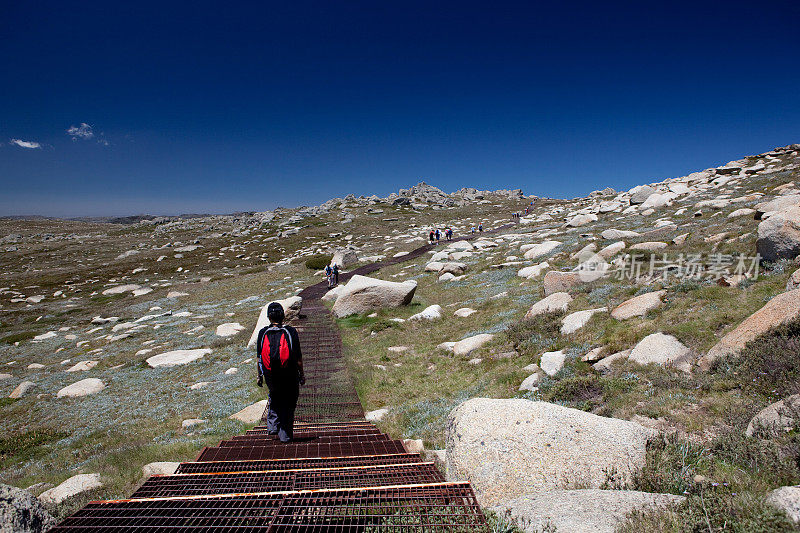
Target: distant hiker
[(431, 236), (437, 235), (480, 227), (473, 230), (448, 232), (280, 365), (335, 274), (329, 276)]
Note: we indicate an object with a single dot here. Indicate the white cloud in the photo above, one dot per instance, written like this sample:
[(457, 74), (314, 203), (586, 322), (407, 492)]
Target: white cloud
[(25, 144), (103, 142), (84, 131)]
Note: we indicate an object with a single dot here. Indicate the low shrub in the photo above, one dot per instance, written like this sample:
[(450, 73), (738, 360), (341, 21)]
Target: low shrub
[(21, 446), (18, 337), (768, 365), (318, 261)]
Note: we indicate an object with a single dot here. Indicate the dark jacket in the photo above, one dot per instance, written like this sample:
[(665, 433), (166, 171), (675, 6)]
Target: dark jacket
[(292, 373)]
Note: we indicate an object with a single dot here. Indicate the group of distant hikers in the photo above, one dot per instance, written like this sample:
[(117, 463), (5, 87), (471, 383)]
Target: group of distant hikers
[(332, 275), (434, 235)]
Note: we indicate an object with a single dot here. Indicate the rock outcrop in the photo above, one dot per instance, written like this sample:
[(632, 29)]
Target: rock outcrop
[(21, 512)]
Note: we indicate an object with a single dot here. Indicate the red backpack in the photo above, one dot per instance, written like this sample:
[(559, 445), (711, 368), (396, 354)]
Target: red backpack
[(276, 348)]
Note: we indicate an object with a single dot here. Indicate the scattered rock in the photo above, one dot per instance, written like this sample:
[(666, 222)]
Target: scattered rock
[(581, 510), (80, 388), (540, 250), (638, 305), (160, 468), (229, 329), (556, 302), (776, 418), (649, 246), (787, 499), (465, 346), (177, 357), (82, 366), (640, 194), (575, 321), (661, 349), (604, 365), (508, 448), (557, 281), (252, 413), (794, 281), (464, 312), (617, 234), (552, 362), (191, 422), (432, 312), (21, 389), (71, 487), (119, 289), (376, 415)]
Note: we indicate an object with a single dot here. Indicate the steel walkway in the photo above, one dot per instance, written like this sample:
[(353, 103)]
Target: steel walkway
[(339, 474)]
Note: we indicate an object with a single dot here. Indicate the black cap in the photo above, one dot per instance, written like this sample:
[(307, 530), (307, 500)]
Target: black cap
[(275, 313)]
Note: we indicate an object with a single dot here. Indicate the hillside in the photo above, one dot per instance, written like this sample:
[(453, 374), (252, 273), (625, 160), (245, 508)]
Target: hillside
[(648, 306)]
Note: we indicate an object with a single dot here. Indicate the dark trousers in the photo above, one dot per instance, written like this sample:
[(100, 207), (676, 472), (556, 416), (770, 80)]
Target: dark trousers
[(280, 414)]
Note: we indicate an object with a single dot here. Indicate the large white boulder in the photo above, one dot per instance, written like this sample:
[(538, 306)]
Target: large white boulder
[(71, 487), (542, 249), (177, 357), (508, 448), (344, 257), (661, 349), (291, 309), (779, 235), (581, 220), (581, 510), (465, 346), (83, 387), (556, 302), (362, 294)]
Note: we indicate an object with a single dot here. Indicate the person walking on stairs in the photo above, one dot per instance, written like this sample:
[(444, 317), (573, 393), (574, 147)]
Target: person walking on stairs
[(280, 366)]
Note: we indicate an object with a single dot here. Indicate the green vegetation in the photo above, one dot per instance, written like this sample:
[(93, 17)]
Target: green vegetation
[(318, 261), (24, 446), (18, 337)]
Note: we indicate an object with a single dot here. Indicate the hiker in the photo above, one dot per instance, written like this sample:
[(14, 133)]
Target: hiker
[(449, 234), (329, 275), (437, 235), (335, 274), (480, 227), (280, 365), (431, 236), (473, 230)]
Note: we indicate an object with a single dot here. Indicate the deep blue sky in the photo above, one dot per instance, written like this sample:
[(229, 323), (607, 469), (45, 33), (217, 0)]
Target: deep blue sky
[(218, 107)]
